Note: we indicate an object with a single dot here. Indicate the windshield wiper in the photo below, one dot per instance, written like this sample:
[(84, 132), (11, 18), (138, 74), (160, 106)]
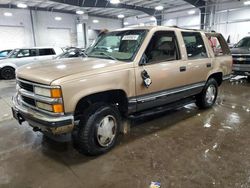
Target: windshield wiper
[(107, 55)]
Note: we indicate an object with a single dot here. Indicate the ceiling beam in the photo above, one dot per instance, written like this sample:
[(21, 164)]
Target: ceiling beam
[(201, 5), (106, 4)]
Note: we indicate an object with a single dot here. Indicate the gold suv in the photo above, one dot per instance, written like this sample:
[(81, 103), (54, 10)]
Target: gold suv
[(130, 71)]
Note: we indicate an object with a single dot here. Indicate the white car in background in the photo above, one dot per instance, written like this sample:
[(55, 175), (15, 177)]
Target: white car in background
[(23, 56)]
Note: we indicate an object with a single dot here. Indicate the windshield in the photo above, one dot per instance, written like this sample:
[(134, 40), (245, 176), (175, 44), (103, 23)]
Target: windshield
[(244, 43), (118, 45), (13, 53)]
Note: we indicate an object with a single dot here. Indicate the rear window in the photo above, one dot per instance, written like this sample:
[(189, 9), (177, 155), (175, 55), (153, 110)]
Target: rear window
[(46, 51), (194, 45), (218, 44)]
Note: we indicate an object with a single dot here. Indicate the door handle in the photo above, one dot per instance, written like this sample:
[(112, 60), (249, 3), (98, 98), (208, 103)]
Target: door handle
[(209, 65), (182, 69)]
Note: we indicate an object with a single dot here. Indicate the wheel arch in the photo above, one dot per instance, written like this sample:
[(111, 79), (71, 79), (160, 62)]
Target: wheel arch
[(218, 76), (116, 97)]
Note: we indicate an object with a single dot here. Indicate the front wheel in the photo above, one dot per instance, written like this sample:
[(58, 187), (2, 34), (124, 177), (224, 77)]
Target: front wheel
[(248, 78), (98, 129), (208, 96), (8, 73)]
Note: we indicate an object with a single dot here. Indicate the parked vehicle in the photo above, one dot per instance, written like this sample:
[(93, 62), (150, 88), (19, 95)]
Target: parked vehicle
[(128, 72), (4, 53), (71, 53), (241, 57), (20, 57)]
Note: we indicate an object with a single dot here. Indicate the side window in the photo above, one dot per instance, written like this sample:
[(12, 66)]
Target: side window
[(218, 44), (33, 52), (26, 53), (194, 45), (162, 47), (46, 51)]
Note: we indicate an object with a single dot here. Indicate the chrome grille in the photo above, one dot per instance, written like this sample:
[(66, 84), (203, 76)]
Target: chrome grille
[(28, 98), (25, 86)]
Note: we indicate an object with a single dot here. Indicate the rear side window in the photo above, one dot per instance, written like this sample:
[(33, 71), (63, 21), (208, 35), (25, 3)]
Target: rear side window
[(194, 45), (46, 51), (218, 44)]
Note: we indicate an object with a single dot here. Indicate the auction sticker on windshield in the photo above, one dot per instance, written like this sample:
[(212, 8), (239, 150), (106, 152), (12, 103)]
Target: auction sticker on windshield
[(130, 37)]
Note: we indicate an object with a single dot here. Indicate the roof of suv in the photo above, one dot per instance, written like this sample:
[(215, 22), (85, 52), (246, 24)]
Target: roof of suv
[(158, 27)]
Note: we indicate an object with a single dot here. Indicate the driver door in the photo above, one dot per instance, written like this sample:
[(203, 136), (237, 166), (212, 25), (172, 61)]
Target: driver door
[(166, 70)]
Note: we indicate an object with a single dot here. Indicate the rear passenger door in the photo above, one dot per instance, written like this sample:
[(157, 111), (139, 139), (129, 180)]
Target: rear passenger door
[(26, 56), (198, 61)]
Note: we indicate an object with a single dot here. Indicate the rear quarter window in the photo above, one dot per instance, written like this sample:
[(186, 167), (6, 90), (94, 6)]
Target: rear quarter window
[(46, 51)]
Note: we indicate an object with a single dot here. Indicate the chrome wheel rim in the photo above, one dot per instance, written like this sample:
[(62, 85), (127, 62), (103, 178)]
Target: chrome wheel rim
[(210, 94), (106, 131)]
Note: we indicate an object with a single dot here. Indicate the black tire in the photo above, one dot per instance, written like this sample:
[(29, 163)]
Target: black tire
[(201, 100), (87, 139), (8, 73), (248, 78)]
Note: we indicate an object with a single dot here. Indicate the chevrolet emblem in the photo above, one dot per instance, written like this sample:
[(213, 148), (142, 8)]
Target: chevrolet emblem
[(241, 59)]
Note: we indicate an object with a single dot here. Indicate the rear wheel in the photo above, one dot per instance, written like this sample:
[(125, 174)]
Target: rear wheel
[(208, 96), (8, 73), (98, 129)]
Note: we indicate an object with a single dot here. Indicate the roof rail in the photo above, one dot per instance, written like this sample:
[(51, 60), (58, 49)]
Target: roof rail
[(175, 26)]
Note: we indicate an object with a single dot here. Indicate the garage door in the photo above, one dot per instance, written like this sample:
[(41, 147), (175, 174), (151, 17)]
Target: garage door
[(59, 37), (11, 37)]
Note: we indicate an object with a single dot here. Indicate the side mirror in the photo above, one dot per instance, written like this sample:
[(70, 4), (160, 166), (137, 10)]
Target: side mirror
[(144, 60)]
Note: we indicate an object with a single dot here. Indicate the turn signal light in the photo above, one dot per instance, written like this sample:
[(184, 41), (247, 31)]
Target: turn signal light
[(58, 108), (56, 93)]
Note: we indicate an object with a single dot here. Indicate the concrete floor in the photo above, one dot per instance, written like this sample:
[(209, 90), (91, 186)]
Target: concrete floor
[(182, 148)]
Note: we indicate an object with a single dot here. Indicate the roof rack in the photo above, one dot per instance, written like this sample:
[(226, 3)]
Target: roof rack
[(175, 26)]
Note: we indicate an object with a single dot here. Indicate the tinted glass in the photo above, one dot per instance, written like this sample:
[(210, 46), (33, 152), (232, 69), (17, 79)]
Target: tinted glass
[(194, 45), (162, 47), (46, 51)]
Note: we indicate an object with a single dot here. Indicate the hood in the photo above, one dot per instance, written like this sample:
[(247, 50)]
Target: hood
[(244, 51), (48, 71)]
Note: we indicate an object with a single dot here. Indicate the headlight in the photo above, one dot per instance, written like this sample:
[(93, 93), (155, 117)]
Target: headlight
[(56, 108), (54, 92)]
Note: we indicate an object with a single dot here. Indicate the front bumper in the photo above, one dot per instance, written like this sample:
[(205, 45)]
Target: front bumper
[(54, 125)]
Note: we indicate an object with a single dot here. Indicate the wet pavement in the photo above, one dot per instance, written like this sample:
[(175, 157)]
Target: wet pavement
[(186, 147)]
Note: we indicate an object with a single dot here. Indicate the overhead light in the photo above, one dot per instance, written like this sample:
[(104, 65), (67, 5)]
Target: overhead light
[(95, 21), (21, 5), (57, 18), (191, 12), (125, 23), (120, 16), (159, 7), (247, 3), (7, 14), (114, 1), (79, 12)]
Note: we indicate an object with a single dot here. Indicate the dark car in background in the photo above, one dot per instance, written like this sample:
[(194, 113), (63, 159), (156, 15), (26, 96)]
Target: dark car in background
[(4, 53), (72, 52), (241, 57)]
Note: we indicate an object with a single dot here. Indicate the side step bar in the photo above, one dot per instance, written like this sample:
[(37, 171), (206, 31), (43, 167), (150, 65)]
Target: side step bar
[(164, 108)]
